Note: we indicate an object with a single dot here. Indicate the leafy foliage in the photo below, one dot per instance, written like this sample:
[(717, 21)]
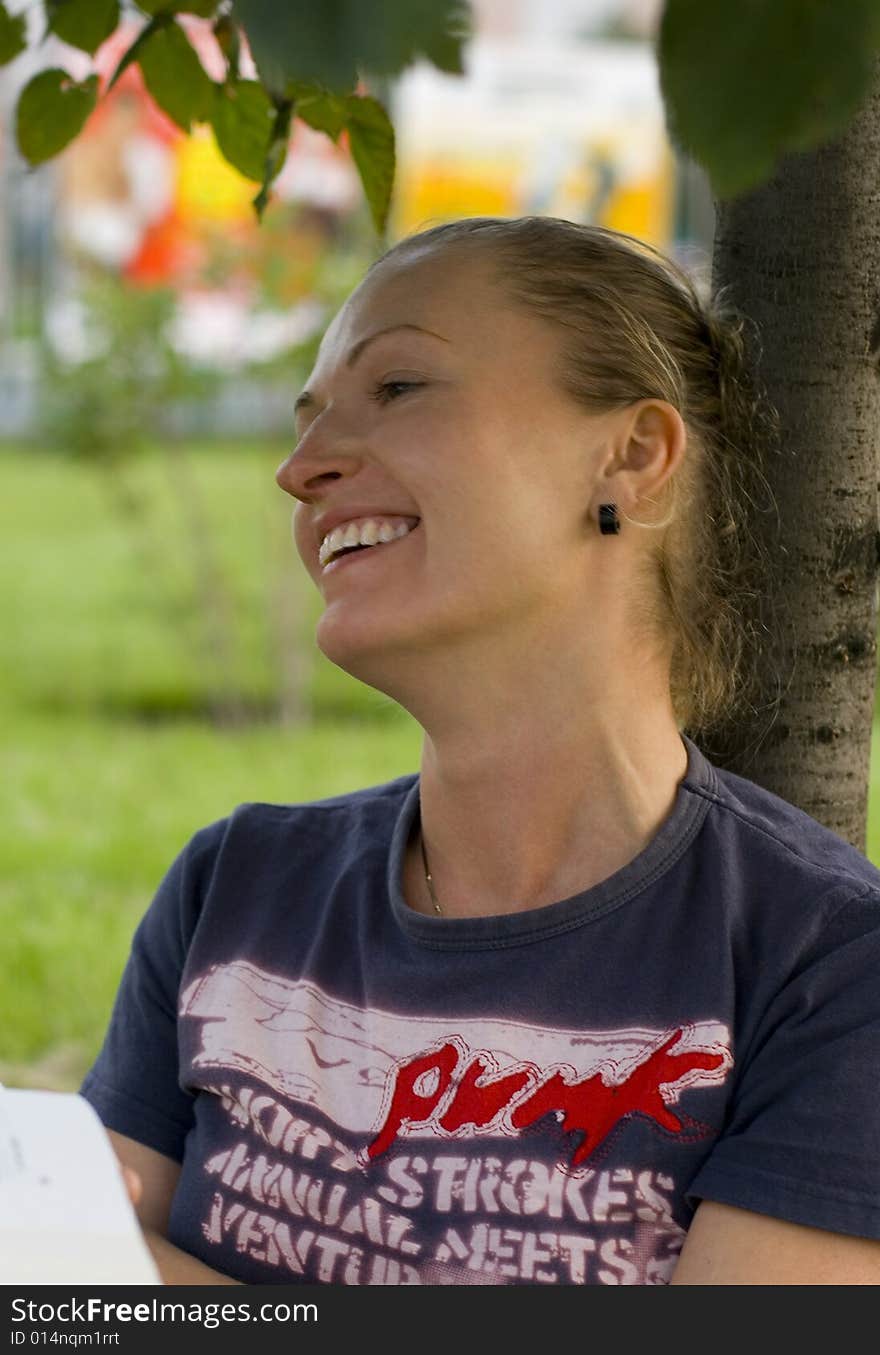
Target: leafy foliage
[(331, 42), (309, 60), (175, 77), (83, 23), (12, 35), (279, 138), (51, 111), (158, 22), (297, 41), (372, 146), (744, 84), (320, 109), (241, 118), (202, 8)]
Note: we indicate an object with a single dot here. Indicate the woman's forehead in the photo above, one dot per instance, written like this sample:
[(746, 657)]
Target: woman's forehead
[(433, 282), (451, 293)]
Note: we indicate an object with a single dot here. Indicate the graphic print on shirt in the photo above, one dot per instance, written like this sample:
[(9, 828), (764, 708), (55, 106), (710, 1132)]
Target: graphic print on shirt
[(372, 1147)]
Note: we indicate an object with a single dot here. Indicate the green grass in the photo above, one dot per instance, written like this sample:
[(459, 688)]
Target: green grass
[(111, 613), (109, 762)]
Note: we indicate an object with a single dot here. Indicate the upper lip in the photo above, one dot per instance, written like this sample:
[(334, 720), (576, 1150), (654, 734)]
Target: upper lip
[(325, 522)]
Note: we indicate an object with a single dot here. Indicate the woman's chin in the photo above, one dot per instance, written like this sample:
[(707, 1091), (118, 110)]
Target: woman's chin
[(363, 648)]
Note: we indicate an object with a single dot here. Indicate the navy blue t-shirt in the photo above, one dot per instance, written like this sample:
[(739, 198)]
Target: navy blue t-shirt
[(360, 1094)]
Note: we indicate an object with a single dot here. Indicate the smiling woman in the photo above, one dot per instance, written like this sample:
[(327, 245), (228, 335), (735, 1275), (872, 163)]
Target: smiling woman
[(571, 1004)]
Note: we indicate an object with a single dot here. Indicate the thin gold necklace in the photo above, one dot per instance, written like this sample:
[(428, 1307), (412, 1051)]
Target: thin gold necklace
[(437, 909)]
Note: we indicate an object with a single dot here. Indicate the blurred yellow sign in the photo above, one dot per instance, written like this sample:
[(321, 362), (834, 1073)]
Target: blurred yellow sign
[(573, 131)]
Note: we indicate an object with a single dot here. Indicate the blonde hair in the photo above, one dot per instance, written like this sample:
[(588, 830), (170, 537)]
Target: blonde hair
[(635, 327)]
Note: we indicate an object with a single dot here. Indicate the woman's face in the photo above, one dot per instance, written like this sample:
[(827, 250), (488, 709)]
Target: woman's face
[(434, 399)]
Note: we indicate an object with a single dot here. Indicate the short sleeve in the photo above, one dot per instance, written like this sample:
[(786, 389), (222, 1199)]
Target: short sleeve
[(803, 1139), (134, 1083)]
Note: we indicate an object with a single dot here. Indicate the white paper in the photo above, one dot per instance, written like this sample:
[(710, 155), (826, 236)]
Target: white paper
[(65, 1215)]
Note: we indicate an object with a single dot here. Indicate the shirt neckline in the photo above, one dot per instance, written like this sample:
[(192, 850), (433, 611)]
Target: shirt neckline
[(535, 924)]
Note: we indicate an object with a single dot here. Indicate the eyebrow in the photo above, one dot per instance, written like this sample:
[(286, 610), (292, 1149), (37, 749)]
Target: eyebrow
[(305, 400)]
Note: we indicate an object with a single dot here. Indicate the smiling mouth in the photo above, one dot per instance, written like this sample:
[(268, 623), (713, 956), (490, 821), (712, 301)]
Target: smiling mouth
[(367, 531), (346, 553)]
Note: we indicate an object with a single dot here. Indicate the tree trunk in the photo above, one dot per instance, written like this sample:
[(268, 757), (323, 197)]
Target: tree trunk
[(801, 258)]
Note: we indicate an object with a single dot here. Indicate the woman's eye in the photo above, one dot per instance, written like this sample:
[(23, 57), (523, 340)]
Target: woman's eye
[(384, 391)]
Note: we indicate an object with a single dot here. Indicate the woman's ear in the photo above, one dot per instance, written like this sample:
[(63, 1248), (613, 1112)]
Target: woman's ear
[(649, 446), (655, 445)]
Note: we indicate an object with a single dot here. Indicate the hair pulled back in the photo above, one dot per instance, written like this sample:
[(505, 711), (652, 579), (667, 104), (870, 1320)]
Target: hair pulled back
[(634, 327)]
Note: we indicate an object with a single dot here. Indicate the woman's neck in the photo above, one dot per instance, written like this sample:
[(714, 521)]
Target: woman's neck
[(509, 826)]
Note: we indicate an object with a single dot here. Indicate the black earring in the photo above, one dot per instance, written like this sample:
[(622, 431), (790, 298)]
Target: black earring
[(609, 522)]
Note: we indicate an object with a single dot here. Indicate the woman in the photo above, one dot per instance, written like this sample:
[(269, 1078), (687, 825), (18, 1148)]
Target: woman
[(571, 1005)]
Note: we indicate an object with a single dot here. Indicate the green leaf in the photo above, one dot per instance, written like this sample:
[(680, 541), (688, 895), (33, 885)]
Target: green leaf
[(228, 40), (408, 30), (203, 8), (83, 23), (134, 51), (51, 111), (324, 111), (328, 42), (748, 83), (13, 35), (279, 140), (175, 77), (242, 116), (297, 41), (372, 148)]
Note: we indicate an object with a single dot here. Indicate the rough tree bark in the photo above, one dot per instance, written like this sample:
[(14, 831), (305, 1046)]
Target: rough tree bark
[(801, 258)]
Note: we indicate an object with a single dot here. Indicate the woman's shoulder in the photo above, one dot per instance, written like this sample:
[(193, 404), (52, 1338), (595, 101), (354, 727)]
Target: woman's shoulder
[(265, 845), (368, 810), (768, 833), (380, 801)]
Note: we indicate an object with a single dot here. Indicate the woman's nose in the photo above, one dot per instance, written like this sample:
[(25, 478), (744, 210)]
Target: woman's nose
[(314, 462)]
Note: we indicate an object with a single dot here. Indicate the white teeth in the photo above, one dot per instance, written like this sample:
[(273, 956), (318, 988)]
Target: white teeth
[(372, 532)]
